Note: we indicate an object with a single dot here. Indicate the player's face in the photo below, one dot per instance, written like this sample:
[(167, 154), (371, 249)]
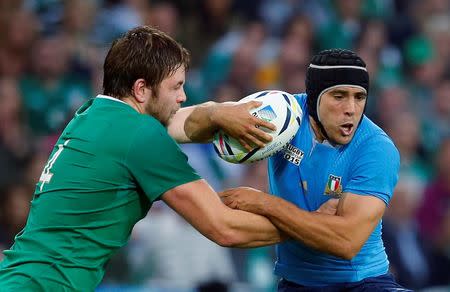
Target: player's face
[(340, 111), (169, 96)]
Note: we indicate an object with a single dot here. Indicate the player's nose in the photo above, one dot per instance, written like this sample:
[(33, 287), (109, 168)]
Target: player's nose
[(182, 97), (350, 106)]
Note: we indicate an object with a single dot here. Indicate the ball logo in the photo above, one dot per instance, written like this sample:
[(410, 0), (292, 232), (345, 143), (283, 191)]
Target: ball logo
[(266, 113)]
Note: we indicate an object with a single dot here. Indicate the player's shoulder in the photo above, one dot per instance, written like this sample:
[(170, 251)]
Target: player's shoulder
[(150, 125), (150, 131), (301, 100), (370, 130), (370, 137)]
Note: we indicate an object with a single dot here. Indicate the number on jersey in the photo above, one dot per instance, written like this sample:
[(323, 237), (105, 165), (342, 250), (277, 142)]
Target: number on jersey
[(46, 175)]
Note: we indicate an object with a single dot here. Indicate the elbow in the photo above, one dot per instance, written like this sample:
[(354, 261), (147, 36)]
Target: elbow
[(224, 234), (226, 238), (347, 251)]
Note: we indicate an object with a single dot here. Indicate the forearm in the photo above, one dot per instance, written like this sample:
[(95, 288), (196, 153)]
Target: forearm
[(201, 207), (199, 125), (246, 229), (176, 125), (194, 123), (326, 233), (341, 233)]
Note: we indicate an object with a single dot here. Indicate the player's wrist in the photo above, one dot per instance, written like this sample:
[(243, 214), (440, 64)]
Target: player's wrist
[(215, 114), (264, 204)]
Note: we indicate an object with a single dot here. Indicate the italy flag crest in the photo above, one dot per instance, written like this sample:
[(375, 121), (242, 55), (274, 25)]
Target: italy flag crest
[(334, 186)]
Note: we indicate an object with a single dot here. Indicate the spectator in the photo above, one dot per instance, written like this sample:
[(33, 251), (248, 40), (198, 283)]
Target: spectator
[(404, 129), (21, 31), (408, 251), (15, 143), (437, 118), (51, 93), (14, 207), (77, 24), (434, 213)]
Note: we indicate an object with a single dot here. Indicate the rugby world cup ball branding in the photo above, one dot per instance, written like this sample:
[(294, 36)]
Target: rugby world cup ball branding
[(278, 107)]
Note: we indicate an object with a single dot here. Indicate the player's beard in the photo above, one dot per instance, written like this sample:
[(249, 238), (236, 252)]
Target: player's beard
[(156, 109)]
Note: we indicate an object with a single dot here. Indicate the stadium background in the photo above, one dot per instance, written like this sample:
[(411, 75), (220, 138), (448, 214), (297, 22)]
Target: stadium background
[(51, 54)]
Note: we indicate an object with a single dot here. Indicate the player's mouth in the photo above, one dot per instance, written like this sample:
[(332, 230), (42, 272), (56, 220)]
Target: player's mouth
[(346, 129)]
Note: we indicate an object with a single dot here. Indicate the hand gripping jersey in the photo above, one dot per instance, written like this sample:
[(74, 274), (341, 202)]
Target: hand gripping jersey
[(307, 174), (106, 169)]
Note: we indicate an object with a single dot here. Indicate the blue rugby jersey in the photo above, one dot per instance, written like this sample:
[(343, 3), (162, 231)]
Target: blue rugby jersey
[(307, 174)]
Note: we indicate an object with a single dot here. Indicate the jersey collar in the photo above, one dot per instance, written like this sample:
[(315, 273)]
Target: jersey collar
[(113, 99)]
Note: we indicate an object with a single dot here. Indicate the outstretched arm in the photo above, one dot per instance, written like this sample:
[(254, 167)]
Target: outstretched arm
[(341, 235), (199, 123), (201, 207)]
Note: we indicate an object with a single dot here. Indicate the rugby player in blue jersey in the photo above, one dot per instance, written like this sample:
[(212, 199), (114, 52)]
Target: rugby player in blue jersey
[(338, 157)]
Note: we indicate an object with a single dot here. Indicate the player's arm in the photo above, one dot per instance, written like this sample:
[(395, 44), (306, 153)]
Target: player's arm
[(341, 235), (176, 124), (375, 173), (199, 123), (201, 207)]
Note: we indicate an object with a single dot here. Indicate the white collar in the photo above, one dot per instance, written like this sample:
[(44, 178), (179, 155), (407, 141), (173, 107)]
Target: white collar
[(325, 142), (110, 98), (113, 99)]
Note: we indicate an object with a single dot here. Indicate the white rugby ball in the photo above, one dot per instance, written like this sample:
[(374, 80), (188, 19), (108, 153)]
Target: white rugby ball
[(279, 108)]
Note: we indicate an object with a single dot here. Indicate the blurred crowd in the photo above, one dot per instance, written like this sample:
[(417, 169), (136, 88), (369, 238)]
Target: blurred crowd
[(51, 57)]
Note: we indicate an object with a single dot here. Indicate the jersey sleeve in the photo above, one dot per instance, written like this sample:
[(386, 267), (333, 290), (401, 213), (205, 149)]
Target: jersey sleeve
[(156, 161), (375, 170), (301, 99)]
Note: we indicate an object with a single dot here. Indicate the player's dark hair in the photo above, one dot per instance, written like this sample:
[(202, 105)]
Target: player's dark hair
[(143, 52)]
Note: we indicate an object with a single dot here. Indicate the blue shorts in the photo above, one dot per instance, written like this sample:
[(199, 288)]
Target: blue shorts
[(380, 283)]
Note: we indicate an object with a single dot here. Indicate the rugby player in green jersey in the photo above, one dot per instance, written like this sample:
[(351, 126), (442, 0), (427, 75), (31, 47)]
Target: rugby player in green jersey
[(115, 158)]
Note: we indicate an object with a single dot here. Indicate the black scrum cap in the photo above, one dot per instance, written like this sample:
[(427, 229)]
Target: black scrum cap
[(331, 68)]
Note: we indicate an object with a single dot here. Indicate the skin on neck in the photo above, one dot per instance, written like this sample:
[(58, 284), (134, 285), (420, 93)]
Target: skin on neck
[(139, 99), (138, 106), (316, 129)]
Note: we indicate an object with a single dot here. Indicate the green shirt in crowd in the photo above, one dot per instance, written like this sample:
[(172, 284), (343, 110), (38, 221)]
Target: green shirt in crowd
[(106, 169), (48, 108)]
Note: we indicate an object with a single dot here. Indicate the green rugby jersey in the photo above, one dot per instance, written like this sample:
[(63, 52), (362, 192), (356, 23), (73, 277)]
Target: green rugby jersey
[(106, 169)]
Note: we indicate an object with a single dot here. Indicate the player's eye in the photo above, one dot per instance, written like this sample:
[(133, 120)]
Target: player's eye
[(361, 97)]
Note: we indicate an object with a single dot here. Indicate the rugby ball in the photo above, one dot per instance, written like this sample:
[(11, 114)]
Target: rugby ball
[(279, 108)]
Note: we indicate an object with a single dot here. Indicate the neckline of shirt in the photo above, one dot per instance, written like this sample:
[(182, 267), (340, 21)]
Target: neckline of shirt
[(112, 98)]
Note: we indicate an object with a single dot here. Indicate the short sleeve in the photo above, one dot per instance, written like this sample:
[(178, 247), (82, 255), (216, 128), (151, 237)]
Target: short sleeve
[(375, 169), (156, 161), (301, 99)]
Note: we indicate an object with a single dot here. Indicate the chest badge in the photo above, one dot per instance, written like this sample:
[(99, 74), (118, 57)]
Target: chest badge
[(293, 154), (334, 186)]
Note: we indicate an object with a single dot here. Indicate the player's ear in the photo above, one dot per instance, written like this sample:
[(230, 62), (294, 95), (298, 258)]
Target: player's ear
[(139, 90)]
